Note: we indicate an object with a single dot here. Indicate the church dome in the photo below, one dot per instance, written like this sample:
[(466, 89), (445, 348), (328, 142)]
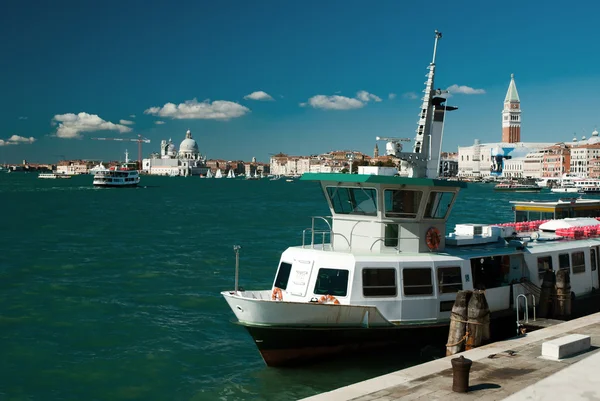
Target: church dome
[(188, 145)]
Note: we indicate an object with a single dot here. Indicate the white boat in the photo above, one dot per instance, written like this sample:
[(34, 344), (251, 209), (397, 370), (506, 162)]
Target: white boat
[(116, 177), (53, 176), (567, 188), (381, 270), (231, 173), (209, 174), (275, 177), (218, 173)]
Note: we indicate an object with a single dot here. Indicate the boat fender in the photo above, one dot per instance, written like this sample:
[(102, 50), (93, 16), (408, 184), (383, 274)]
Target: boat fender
[(325, 299), (433, 238), (277, 295)]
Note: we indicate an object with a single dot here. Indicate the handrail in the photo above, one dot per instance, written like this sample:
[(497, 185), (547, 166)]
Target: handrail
[(526, 310)]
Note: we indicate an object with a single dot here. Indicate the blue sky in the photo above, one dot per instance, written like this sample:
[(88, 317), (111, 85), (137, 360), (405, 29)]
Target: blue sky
[(128, 60)]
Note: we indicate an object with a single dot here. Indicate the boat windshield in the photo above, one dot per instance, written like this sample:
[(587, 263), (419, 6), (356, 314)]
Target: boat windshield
[(353, 200), (402, 203), (438, 204)]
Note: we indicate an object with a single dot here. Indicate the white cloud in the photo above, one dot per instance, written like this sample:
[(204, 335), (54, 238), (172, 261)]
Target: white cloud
[(16, 140), (159, 122), (392, 96), (334, 102), (132, 115), (126, 122), (72, 125), (337, 102), (192, 109), (367, 97), (465, 90), (23, 117), (410, 95), (259, 95)]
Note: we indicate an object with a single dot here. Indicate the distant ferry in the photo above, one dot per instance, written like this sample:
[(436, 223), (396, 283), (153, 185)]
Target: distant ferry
[(116, 177), (52, 176), (509, 187)]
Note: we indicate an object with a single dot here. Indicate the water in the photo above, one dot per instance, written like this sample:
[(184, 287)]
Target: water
[(113, 294)]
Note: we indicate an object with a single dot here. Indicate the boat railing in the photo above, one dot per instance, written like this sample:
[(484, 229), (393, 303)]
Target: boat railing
[(325, 234)]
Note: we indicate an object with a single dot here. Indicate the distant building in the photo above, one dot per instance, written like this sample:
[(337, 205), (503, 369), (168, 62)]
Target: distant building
[(491, 159), (187, 161)]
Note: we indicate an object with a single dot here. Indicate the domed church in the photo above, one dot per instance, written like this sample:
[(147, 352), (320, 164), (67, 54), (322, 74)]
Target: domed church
[(186, 161)]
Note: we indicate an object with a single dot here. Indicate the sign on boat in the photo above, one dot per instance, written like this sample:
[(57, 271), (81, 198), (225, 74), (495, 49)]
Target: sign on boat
[(381, 270)]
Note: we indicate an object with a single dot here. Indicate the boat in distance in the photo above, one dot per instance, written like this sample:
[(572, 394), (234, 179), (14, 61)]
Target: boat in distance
[(53, 176), (381, 270), (516, 187), (116, 177)]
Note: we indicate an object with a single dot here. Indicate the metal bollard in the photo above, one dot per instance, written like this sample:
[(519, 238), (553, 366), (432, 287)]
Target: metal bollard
[(460, 374)]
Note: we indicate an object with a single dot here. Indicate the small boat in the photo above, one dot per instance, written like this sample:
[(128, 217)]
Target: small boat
[(218, 173), (231, 173), (209, 174), (514, 187), (567, 188)]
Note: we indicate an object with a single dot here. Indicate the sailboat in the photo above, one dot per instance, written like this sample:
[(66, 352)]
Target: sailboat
[(209, 174), (218, 174), (230, 174)]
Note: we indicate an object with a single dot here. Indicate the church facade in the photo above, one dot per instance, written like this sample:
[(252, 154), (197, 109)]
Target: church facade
[(172, 162)]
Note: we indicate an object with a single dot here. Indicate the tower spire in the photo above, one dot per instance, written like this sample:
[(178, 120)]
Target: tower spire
[(511, 114)]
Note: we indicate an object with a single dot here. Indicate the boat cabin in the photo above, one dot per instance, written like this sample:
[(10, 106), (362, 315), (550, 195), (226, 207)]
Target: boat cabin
[(551, 210), (382, 213)]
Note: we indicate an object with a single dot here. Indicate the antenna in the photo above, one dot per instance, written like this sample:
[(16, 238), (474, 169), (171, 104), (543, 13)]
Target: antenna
[(438, 36)]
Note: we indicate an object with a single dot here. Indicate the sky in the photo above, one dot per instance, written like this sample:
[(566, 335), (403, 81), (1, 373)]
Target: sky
[(254, 78)]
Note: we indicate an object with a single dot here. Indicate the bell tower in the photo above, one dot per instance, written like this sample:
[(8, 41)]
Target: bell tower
[(511, 115), (376, 151)]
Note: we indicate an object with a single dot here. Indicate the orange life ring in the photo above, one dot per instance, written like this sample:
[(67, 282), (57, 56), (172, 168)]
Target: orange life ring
[(277, 295), (433, 238), (325, 299)]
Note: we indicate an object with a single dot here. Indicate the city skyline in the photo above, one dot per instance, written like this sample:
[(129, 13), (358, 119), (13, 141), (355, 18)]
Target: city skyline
[(298, 79)]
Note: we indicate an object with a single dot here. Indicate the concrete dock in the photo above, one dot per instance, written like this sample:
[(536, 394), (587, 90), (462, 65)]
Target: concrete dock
[(507, 370)]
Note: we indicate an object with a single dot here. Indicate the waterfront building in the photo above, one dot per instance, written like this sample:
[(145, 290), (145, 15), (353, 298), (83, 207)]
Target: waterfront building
[(74, 167), (556, 161), (513, 168), (448, 164), (488, 159), (583, 152), (187, 161), (533, 164)]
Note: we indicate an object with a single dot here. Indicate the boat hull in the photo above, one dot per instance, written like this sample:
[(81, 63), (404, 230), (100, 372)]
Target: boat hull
[(285, 346), (116, 185)]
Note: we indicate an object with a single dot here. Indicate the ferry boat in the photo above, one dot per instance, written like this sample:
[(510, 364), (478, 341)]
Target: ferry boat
[(116, 177), (515, 187), (381, 270), (53, 176)]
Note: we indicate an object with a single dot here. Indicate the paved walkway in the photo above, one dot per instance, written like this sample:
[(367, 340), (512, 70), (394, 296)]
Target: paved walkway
[(510, 369)]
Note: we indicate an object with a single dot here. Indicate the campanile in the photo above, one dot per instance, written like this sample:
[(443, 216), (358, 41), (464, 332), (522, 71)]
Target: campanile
[(511, 115)]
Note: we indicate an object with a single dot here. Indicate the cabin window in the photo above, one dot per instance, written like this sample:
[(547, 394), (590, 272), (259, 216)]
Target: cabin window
[(544, 264), (449, 279), (520, 215), (490, 272), (332, 282), (593, 259), (391, 235), (379, 282), (578, 262), (283, 275), (353, 200), (563, 261), (402, 203), (438, 204), (417, 281)]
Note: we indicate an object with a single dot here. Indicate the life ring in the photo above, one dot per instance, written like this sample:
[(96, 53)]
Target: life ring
[(277, 295), (433, 238), (325, 299)]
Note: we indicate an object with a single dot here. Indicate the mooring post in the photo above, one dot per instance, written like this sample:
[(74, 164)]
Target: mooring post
[(478, 313), (458, 323), (563, 294), (546, 293), (236, 249)]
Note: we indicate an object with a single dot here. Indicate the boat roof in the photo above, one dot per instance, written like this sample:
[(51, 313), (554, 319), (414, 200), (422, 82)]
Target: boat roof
[(381, 179), (563, 202)]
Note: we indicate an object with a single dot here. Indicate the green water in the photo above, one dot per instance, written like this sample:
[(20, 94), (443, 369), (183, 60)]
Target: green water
[(113, 294)]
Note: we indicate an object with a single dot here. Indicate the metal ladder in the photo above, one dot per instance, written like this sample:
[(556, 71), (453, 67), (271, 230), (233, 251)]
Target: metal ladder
[(525, 297)]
